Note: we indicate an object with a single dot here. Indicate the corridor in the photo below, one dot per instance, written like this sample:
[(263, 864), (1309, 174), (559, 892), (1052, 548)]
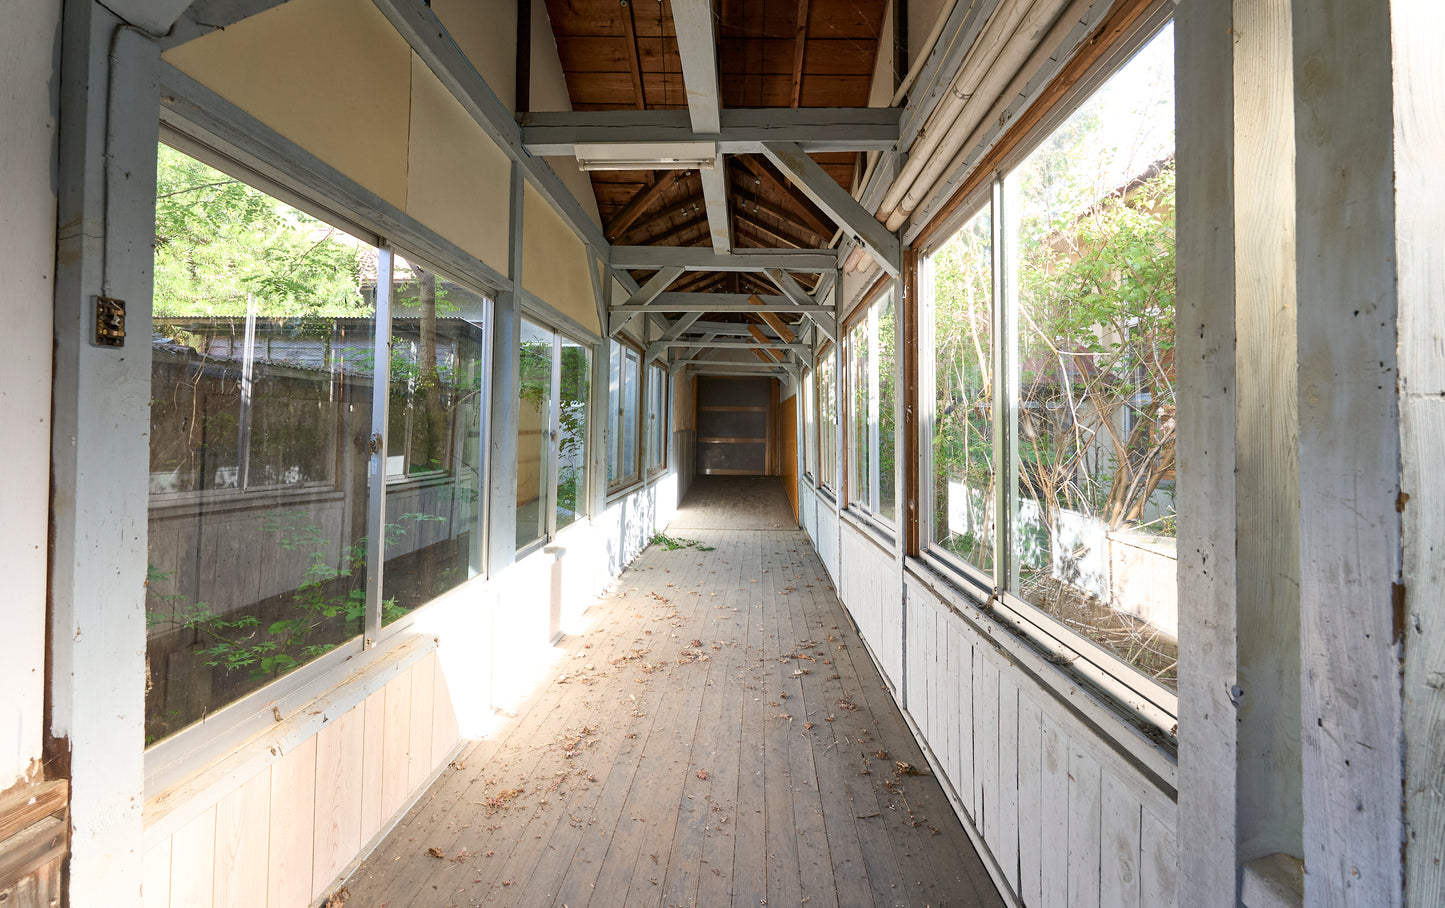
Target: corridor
[(717, 736)]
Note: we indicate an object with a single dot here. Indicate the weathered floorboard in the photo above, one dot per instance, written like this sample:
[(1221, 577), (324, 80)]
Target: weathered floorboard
[(718, 735)]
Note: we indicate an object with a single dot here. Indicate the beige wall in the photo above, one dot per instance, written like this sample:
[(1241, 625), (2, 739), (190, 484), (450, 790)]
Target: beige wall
[(555, 262), (334, 77)]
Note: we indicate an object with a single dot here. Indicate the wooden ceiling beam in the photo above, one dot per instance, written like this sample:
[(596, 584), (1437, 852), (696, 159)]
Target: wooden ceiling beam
[(766, 231), (746, 202), (639, 203), (692, 204), (800, 50), (634, 59), (787, 190)]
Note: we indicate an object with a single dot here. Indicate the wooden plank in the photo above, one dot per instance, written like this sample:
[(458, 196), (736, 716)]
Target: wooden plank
[(28, 805), (639, 203), (292, 827), (423, 686), (1031, 804), (155, 887), (340, 775), (800, 49), (396, 745), (1158, 862), (1084, 824), (373, 720), (986, 749), (1353, 610), (963, 782), (445, 731), (242, 824), (1054, 823), (193, 862), (1005, 842), (1206, 450), (1119, 845)]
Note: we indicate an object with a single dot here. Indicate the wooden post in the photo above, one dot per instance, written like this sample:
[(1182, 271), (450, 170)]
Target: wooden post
[(502, 447), (1353, 606), (1419, 223), (1208, 657), (100, 455)]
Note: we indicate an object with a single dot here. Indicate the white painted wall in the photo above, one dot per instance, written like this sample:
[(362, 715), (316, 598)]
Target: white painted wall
[(28, 48)]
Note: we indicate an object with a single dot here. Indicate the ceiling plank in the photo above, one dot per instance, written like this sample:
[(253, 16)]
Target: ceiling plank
[(835, 201), (787, 190), (744, 201), (692, 205), (634, 61), (639, 204), (800, 48), (768, 232)]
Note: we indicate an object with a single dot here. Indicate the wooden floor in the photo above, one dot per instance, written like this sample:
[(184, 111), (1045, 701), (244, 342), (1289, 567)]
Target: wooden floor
[(719, 737)]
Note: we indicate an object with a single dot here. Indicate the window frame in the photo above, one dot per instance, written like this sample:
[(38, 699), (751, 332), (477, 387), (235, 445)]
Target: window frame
[(626, 351), (867, 316), (656, 380), (828, 365), (223, 728), (1141, 696)]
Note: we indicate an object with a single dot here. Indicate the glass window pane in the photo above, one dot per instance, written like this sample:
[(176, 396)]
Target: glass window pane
[(657, 416), (1093, 213), (262, 357), (574, 396), (827, 422), (887, 331), (631, 381), (963, 521), (534, 427), (860, 494), (433, 495), (614, 413), (810, 424)]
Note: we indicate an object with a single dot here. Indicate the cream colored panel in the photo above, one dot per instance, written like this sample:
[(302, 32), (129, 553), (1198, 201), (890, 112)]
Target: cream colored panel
[(332, 76), (555, 261), (549, 92), (459, 181), (486, 31)]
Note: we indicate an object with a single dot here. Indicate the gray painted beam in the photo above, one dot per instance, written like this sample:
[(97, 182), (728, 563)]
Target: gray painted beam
[(663, 305), (697, 46), (816, 129), (715, 199), (703, 259), (623, 315), (502, 448), (435, 47), (835, 201), (718, 344)]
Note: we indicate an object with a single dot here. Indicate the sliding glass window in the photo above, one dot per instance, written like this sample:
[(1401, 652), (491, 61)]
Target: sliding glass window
[(551, 433), (827, 373), (1051, 431), (871, 351), (810, 423), (623, 407), (656, 418), (302, 385), (433, 443)]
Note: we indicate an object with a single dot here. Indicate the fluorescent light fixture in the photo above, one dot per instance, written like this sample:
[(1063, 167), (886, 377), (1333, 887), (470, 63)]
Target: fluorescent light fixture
[(648, 156)]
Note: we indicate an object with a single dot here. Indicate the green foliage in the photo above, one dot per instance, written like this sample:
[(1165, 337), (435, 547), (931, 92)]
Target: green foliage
[(219, 242), (672, 543)]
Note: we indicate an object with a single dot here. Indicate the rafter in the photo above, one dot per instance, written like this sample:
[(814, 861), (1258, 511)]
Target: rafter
[(743, 202), (767, 232), (799, 49), (639, 203), (690, 205), (634, 60), (783, 187), (834, 200)]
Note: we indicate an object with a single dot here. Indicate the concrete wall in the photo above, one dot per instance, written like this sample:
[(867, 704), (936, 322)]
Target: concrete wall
[(29, 45)]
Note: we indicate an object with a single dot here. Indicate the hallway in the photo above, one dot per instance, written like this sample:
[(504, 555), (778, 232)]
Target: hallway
[(717, 736)]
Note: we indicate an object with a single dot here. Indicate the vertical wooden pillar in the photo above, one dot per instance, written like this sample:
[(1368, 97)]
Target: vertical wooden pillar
[(502, 447), (100, 454), (1418, 33), (1353, 607)]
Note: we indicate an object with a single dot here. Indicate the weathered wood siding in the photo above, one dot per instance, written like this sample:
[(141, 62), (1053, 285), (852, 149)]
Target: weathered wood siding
[(1061, 815), (283, 835), (1067, 820), (871, 586)]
